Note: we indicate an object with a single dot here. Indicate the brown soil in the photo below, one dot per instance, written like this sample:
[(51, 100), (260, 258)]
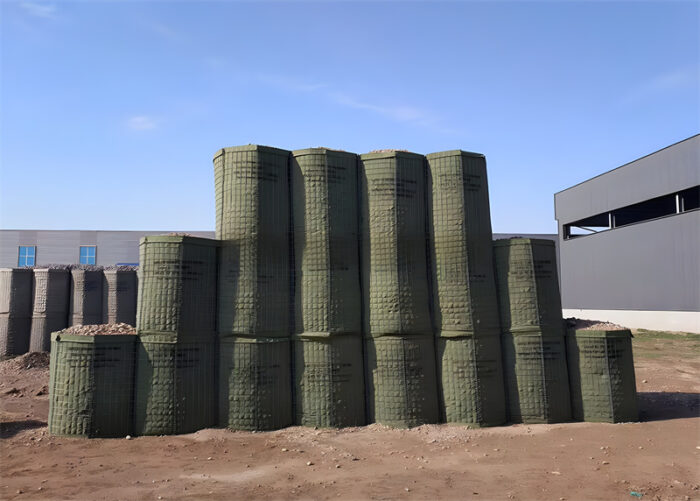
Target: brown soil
[(658, 457)]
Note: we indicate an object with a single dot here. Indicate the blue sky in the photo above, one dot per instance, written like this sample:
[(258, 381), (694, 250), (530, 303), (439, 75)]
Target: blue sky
[(112, 111)]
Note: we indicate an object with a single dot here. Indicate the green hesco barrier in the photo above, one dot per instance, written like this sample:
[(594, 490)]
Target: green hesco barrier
[(601, 373), (253, 215), (175, 390), (15, 310), (464, 287), (86, 296), (393, 232), (177, 288), (50, 307), (536, 377), (329, 386), (91, 385), (16, 292), (401, 384), (14, 334), (526, 279), (470, 373), (327, 272), (255, 383), (119, 296)]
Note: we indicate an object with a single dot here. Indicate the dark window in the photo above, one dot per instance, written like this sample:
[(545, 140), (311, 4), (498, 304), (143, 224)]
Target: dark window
[(690, 199), (654, 208), (643, 211)]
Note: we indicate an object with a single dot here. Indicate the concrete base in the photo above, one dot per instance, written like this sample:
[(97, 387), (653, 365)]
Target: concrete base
[(683, 321)]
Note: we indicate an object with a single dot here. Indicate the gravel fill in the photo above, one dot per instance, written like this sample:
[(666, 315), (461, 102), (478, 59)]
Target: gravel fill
[(581, 324), (100, 329)]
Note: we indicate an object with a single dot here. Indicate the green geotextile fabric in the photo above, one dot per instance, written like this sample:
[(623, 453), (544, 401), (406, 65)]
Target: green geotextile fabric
[(86, 297), (16, 292), (326, 253), (601, 373), (461, 258), (253, 215), (91, 385), (51, 303), (329, 386), (177, 288), (526, 279), (119, 297), (255, 383), (400, 380), (393, 230), (14, 334), (175, 389), (470, 376), (536, 377)]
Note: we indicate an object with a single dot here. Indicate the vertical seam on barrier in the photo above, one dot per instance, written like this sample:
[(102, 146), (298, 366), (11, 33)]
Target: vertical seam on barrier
[(531, 251), (609, 385), (329, 289), (477, 381), (397, 252), (544, 380)]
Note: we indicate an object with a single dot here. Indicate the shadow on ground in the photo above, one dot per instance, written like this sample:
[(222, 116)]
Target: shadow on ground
[(11, 428), (658, 406)]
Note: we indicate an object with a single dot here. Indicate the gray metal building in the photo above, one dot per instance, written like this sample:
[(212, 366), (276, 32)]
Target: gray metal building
[(103, 248), (629, 242)]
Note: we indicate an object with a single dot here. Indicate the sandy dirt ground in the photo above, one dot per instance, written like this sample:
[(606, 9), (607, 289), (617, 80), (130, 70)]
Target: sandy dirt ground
[(657, 458)]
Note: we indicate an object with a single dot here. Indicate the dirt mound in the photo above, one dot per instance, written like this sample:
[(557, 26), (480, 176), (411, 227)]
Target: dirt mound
[(33, 360), (100, 329)]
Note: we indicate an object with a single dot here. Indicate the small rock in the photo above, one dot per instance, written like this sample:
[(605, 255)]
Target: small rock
[(644, 380), (309, 463), (605, 462), (209, 458), (555, 472), (128, 437), (337, 466), (407, 489), (284, 449)]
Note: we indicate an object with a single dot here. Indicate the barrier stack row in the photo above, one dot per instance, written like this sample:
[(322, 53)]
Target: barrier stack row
[(34, 302), (345, 289)]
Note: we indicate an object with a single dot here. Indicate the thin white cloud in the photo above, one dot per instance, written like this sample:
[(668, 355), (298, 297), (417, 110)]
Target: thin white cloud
[(43, 10), (142, 122), (398, 113), (664, 83), (407, 114)]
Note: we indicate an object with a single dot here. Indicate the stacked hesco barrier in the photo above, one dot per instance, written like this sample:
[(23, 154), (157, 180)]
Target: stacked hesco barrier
[(86, 295), (467, 326), (119, 295), (15, 310), (175, 388), (91, 385), (50, 307), (255, 281), (400, 372), (328, 365), (601, 374), (534, 352)]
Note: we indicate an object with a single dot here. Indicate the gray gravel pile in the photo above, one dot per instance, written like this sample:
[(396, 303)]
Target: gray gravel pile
[(581, 324), (121, 267), (100, 329)]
